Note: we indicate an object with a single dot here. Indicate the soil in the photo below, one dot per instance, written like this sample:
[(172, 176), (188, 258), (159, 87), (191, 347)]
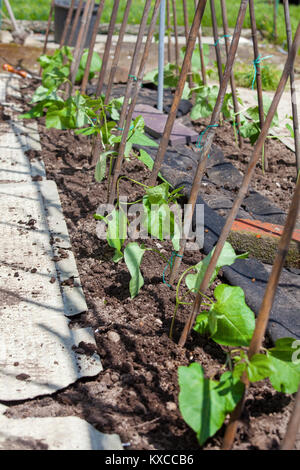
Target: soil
[(136, 395)]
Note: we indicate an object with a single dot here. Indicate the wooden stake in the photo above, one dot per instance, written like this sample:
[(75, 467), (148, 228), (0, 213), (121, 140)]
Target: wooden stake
[(216, 39), (202, 64), (275, 12), (169, 32), (258, 75), (67, 24), (47, 31), (91, 47), (293, 426), (85, 22), (178, 93), (97, 140), (175, 33), (232, 81), (105, 57), (136, 87), (210, 136), (244, 188), (266, 306), (117, 51), (293, 87), (186, 29), (75, 23)]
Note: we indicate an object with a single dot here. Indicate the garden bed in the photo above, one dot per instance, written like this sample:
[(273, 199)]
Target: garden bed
[(136, 395)]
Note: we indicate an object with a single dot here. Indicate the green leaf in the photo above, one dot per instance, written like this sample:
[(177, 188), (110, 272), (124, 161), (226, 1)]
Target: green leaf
[(35, 112), (158, 194), (40, 94), (201, 324), (53, 119), (290, 129), (186, 92), (138, 138), (96, 63), (175, 234), (133, 255), (158, 221), (226, 258), (235, 320), (146, 159), (260, 367), (128, 148), (286, 377), (100, 168), (204, 403), (116, 232), (86, 131), (205, 101)]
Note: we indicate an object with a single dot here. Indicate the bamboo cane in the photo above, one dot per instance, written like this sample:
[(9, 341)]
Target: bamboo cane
[(169, 32), (293, 426), (47, 31), (216, 39), (202, 64), (175, 33), (67, 24), (232, 81), (105, 57), (293, 87), (265, 309), (75, 23), (178, 93), (210, 135), (186, 30), (117, 51), (97, 141), (136, 88), (275, 12), (131, 76), (85, 22), (91, 47), (244, 188), (258, 74)]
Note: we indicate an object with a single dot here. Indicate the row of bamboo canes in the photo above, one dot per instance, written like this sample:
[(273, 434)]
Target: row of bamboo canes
[(135, 78)]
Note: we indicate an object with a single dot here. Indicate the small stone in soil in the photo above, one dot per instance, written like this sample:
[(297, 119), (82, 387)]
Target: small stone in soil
[(171, 406), (113, 336)]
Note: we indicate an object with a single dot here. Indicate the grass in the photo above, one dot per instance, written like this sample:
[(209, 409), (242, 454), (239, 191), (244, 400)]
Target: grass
[(39, 10)]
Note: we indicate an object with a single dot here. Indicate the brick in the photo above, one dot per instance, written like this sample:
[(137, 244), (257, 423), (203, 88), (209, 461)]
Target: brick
[(261, 240)]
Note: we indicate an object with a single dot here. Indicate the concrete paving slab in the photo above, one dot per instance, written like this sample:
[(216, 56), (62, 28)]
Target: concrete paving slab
[(14, 164), (3, 84), (36, 355), (155, 122), (61, 433), (73, 295)]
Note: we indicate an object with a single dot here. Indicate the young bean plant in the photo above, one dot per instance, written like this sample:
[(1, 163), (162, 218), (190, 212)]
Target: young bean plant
[(205, 402)]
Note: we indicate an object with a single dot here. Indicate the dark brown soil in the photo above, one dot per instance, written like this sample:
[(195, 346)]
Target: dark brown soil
[(136, 395)]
